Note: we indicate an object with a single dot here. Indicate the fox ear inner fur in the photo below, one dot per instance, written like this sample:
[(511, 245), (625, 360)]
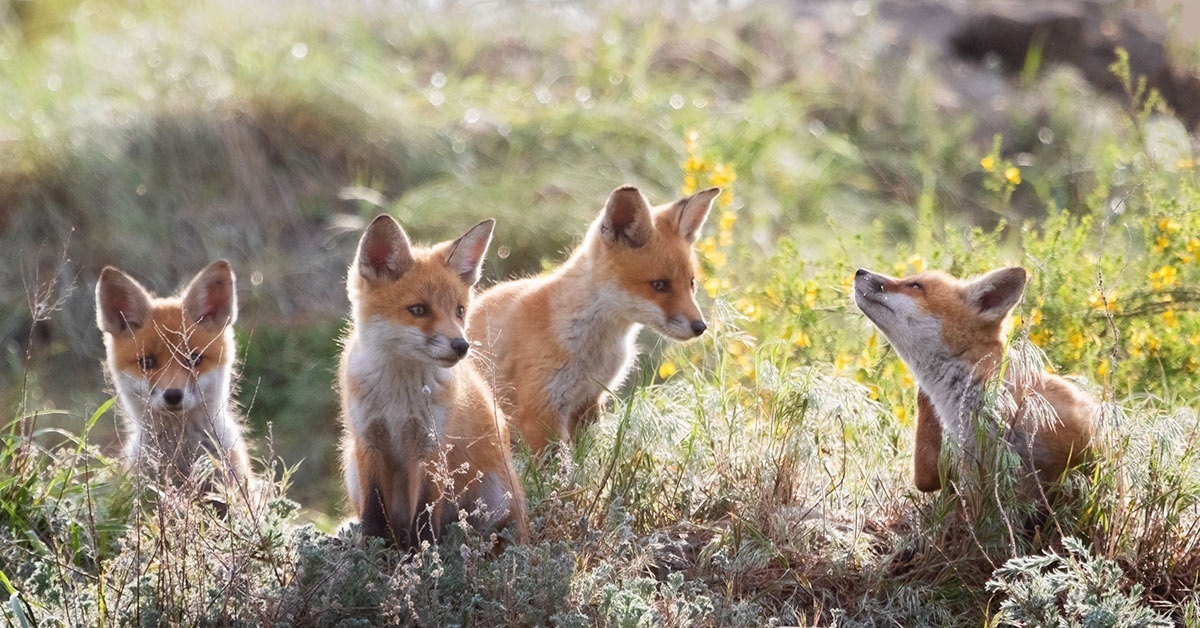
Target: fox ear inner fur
[(122, 303), (997, 292), (385, 252), (211, 298), (692, 211), (627, 218), (465, 257)]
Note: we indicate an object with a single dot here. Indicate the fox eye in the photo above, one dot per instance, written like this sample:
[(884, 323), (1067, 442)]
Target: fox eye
[(147, 363), (660, 285), (460, 312), (194, 359), (418, 310), (916, 285)]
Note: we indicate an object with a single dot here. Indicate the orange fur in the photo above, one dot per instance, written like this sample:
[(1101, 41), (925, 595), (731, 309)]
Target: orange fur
[(413, 411), (171, 362), (555, 344), (950, 333)]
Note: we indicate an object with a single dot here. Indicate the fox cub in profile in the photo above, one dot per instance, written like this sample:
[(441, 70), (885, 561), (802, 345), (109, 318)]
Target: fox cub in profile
[(557, 342), (171, 361), (410, 402), (949, 332)]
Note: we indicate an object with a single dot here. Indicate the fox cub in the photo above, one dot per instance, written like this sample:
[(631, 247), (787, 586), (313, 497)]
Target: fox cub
[(409, 401), (557, 342), (949, 332), (171, 361)]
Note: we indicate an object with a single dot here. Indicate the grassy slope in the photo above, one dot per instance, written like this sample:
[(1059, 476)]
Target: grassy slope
[(766, 478)]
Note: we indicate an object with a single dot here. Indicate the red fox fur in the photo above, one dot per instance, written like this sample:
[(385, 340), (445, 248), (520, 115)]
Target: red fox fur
[(557, 342), (171, 361), (409, 398), (949, 332)]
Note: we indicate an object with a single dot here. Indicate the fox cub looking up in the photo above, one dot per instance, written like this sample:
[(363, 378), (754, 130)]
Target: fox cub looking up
[(171, 361), (558, 341), (412, 406), (949, 332)]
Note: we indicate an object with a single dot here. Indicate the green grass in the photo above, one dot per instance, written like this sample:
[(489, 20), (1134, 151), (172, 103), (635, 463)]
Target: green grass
[(759, 475)]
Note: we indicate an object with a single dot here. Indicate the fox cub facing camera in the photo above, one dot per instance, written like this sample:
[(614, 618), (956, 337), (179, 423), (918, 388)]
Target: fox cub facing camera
[(171, 361), (413, 407), (949, 332)]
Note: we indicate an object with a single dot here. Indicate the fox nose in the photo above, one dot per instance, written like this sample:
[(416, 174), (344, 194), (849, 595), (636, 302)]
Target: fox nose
[(860, 272), (173, 396), (698, 327), (460, 346)]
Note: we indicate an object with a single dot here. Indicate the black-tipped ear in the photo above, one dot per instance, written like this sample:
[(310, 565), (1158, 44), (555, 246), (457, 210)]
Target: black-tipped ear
[(210, 298), (121, 302), (692, 211), (465, 257), (384, 252), (626, 218), (997, 292)]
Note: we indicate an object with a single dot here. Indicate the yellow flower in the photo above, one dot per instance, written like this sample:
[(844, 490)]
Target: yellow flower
[(1164, 277), (746, 307), (842, 361), (901, 414), (722, 175), (1186, 164), (1168, 225), (689, 185), (906, 378), (695, 163), (727, 220), (1160, 244), (667, 369), (1098, 301), (1077, 340), (1035, 317), (712, 286), (1040, 337), (988, 163), (1194, 339), (1013, 175), (1017, 321), (1169, 318), (917, 262), (810, 294), (802, 340), (1102, 369)]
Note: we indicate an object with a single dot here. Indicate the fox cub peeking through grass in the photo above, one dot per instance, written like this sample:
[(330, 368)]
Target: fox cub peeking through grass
[(171, 361), (949, 332), (422, 439), (557, 342)]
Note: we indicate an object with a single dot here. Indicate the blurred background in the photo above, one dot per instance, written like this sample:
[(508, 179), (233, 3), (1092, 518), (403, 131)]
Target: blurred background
[(159, 135)]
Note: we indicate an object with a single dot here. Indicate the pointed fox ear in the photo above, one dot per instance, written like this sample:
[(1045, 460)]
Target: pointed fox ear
[(384, 253), (210, 299), (627, 218), (997, 292), (121, 302), (691, 212), (465, 256)]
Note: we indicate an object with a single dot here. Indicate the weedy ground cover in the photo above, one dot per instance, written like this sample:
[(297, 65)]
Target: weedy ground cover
[(759, 475)]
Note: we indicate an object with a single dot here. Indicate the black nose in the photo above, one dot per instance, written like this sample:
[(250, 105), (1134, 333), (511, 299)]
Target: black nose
[(698, 327), (860, 272), (173, 396), (460, 346)]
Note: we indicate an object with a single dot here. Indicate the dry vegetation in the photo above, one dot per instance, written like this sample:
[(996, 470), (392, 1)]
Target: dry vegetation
[(759, 476)]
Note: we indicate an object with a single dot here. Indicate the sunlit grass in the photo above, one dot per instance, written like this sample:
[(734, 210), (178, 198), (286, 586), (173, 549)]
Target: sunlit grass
[(761, 473)]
